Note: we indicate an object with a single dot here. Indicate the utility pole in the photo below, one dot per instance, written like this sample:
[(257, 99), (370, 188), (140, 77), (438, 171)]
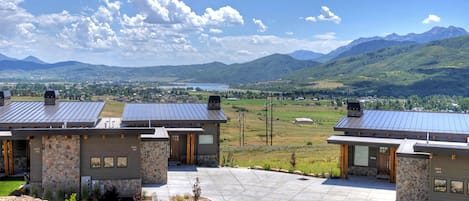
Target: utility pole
[(271, 120), (266, 120)]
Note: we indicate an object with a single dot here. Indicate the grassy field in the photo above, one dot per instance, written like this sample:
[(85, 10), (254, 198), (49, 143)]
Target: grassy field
[(6, 187), (313, 154)]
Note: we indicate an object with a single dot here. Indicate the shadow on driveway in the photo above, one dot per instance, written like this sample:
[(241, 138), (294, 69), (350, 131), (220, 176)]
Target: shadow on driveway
[(361, 182)]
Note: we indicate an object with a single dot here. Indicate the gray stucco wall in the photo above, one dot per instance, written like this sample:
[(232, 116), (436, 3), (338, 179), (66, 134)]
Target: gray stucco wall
[(412, 179), (111, 146), (154, 158), (443, 167), (61, 162), (208, 154), (35, 145)]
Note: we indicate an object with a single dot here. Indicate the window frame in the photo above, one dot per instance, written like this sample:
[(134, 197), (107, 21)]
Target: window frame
[(126, 161), (91, 162), (104, 162), (451, 186), (435, 187), (210, 141), (362, 160)]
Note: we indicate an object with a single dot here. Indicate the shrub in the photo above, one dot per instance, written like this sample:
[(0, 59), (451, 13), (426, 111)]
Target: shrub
[(96, 192), (34, 191), (60, 194), (266, 166), (196, 189), (85, 192), (110, 194), (309, 143), (293, 159), (73, 197), (48, 194)]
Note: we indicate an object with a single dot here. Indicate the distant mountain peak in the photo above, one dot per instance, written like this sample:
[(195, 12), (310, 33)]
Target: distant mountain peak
[(33, 59), (305, 55)]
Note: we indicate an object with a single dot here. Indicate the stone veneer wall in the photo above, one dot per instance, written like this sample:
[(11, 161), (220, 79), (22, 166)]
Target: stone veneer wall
[(413, 179), (61, 162), (362, 171), (210, 160), (125, 187), (154, 159)]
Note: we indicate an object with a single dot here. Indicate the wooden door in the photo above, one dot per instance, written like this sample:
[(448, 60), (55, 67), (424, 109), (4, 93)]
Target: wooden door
[(174, 147), (383, 161), (190, 149)]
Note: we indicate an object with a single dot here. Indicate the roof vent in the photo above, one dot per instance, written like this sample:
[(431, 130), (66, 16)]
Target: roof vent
[(50, 97), (5, 97), (214, 103), (354, 109)]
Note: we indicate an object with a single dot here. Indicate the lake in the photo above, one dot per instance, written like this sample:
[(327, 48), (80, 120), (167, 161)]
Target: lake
[(203, 86)]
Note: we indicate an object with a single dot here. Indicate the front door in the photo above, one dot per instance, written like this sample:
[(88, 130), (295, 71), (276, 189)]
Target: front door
[(174, 148), (383, 161)]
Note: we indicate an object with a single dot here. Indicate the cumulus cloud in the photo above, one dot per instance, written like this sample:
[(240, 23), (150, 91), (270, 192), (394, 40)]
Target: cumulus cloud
[(325, 36), (260, 25), (310, 19), (328, 15), (177, 12), (215, 31), (431, 19), (56, 19)]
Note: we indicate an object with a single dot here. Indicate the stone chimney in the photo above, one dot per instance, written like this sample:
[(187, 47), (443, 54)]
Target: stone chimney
[(214, 103), (354, 109), (50, 97), (5, 97)]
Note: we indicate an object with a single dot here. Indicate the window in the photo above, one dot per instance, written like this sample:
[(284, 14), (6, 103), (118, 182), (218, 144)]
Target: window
[(205, 139), (108, 162), (122, 162), (457, 187), (95, 162), (439, 185), (383, 150), (361, 156)]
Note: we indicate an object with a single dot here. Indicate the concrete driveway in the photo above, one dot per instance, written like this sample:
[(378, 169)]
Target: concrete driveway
[(236, 184)]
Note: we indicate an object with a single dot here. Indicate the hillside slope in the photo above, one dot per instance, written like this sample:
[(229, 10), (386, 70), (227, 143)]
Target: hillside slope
[(438, 67)]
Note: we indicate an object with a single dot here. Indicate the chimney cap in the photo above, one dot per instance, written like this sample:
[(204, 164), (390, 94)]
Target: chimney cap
[(214, 103), (51, 94), (5, 94)]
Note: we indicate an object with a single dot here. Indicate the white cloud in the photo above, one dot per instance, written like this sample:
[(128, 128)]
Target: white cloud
[(215, 31), (289, 33), (325, 36), (177, 12), (56, 19), (88, 33), (328, 15), (431, 18), (310, 19), (260, 25)]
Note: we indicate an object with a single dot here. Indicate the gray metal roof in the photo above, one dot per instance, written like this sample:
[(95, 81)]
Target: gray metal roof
[(433, 122), (37, 112), (171, 112)]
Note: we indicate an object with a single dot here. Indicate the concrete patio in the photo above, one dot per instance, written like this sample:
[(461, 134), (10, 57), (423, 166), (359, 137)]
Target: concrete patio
[(223, 184)]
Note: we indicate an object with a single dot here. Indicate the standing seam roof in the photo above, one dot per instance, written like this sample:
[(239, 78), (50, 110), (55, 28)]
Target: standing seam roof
[(37, 112), (407, 121), (169, 112)]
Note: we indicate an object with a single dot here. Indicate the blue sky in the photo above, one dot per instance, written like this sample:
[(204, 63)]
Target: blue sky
[(172, 32)]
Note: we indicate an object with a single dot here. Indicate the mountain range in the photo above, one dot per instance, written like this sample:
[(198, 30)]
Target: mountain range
[(431, 62)]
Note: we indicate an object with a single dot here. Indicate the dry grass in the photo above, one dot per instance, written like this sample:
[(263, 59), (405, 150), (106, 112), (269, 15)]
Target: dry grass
[(326, 84), (313, 154)]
